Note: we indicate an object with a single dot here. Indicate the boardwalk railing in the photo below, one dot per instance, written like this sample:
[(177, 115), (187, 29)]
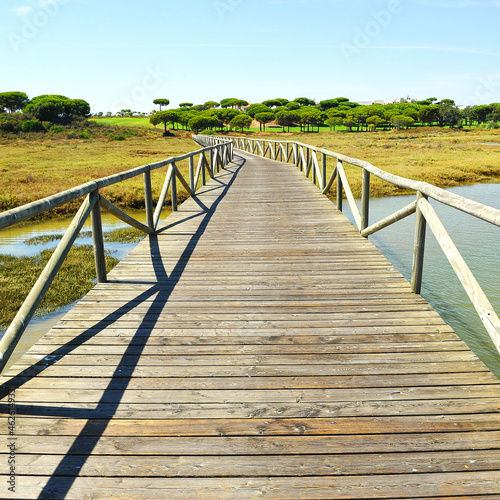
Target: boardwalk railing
[(211, 160), (305, 157)]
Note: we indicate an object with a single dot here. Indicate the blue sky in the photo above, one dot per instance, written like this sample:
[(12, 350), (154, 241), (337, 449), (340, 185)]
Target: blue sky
[(125, 54)]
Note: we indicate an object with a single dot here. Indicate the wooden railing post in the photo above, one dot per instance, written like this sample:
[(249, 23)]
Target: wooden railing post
[(98, 237), (203, 167), (212, 171), (313, 168), (418, 249), (173, 188), (323, 171), (148, 199), (339, 191), (224, 155), (191, 174), (365, 199)]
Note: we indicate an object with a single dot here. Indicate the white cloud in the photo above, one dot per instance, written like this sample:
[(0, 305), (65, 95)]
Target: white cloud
[(23, 11)]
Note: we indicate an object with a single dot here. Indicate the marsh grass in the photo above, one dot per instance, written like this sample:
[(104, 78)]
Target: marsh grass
[(44, 239), (122, 235), (31, 170), (19, 274)]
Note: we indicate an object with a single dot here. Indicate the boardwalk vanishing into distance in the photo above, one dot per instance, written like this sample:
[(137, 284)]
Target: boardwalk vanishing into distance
[(256, 346)]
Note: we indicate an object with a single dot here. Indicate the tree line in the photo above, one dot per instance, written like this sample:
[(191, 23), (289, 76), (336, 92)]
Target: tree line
[(305, 113), (45, 112)]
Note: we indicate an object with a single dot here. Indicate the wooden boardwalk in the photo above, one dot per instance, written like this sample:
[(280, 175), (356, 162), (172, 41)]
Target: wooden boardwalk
[(257, 347)]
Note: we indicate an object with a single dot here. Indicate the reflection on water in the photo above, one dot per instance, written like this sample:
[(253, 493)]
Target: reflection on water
[(477, 241), (12, 239)]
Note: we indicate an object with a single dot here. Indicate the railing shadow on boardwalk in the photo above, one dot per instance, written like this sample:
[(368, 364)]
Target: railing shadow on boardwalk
[(59, 484)]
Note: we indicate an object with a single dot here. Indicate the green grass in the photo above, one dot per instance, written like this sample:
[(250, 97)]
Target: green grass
[(124, 122), (19, 274), (31, 170), (122, 235), (44, 238), (125, 235)]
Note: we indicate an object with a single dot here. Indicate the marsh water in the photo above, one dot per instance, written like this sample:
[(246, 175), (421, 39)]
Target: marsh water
[(478, 242)]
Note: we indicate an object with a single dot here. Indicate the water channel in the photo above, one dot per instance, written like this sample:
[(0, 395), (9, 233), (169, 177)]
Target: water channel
[(479, 243)]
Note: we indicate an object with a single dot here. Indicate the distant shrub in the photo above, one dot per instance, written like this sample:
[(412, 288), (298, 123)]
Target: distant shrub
[(120, 137), (56, 129), (208, 132), (9, 123), (32, 126), (47, 125), (73, 135), (85, 134)]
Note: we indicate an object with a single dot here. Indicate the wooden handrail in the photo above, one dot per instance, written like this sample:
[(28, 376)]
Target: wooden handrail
[(92, 205), (304, 157)]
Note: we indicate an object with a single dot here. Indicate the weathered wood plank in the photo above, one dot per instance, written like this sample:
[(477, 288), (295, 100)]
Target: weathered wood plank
[(261, 466), (399, 381), (51, 369), (32, 426), (207, 396)]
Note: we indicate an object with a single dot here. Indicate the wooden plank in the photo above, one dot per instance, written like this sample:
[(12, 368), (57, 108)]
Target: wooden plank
[(399, 381), (246, 395), (260, 466), (443, 407), (51, 368), (307, 488), (262, 445), (257, 427)]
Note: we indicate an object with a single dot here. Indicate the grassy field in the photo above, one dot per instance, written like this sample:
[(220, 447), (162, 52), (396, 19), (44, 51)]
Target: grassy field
[(30, 170), (125, 122)]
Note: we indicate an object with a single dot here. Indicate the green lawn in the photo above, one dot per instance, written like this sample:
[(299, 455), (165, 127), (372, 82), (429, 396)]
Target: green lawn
[(125, 122)]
